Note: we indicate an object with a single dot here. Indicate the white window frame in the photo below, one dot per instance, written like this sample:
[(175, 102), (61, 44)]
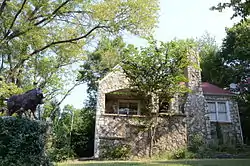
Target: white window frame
[(129, 101), (217, 112)]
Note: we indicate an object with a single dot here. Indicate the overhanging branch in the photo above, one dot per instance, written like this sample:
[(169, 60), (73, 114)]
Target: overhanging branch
[(14, 20), (53, 13), (21, 62), (3, 5), (64, 97), (67, 41)]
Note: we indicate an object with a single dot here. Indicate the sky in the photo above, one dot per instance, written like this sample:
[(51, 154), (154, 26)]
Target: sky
[(179, 19)]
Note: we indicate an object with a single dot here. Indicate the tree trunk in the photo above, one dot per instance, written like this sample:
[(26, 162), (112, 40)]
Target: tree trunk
[(152, 134), (153, 127)]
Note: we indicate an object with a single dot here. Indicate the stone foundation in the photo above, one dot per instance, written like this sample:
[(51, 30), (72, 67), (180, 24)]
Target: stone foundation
[(131, 130)]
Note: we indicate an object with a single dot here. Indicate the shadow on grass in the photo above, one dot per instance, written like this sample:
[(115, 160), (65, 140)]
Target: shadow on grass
[(214, 162), (208, 162)]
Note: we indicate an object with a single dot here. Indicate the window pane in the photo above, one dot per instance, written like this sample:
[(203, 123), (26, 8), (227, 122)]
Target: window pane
[(212, 116), (128, 108), (222, 116), (123, 108), (133, 107), (123, 105), (222, 108), (211, 107)]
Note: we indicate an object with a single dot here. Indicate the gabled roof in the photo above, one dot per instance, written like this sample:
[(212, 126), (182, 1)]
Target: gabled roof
[(208, 88)]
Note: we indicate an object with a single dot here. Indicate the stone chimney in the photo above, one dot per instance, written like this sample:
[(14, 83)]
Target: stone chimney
[(195, 108), (193, 73)]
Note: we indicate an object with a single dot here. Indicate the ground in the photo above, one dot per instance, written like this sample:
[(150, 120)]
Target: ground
[(212, 162)]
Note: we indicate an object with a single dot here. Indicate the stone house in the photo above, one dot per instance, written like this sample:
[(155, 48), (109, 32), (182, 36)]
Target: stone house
[(120, 120)]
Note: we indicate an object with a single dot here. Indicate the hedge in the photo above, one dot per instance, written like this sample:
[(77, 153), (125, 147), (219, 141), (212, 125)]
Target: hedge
[(22, 142)]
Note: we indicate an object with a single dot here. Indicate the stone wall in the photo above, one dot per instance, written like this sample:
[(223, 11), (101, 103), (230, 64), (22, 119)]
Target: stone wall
[(231, 131), (132, 130), (195, 106), (114, 81), (172, 132), (120, 129)]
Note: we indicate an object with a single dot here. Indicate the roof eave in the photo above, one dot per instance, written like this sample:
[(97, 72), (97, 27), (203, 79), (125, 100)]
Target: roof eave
[(220, 94)]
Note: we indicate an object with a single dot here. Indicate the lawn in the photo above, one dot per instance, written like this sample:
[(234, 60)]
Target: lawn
[(218, 162)]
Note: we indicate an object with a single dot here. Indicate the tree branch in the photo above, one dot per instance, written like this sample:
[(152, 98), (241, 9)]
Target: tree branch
[(53, 13), (14, 20), (64, 97), (67, 41), (33, 12), (3, 6), (59, 7), (55, 43), (2, 62)]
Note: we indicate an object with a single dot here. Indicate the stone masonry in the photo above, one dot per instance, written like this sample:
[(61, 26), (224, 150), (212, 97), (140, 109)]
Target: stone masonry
[(172, 132), (231, 131), (195, 108), (114, 129)]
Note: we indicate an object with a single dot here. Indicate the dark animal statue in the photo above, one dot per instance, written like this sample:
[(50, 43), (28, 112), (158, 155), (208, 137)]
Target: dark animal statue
[(28, 101)]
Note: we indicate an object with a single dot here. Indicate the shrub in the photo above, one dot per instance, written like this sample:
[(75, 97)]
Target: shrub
[(196, 143), (181, 153), (60, 154), (22, 142), (178, 154), (121, 151)]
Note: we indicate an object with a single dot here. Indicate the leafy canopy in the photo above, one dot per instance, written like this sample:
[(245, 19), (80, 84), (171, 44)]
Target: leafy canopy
[(72, 134), (41, 40), (99, 62), (158, 69), (241, 8), (230, 64)]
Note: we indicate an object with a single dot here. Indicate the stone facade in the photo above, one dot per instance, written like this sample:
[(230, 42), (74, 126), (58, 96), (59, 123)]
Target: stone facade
[(172, 132), (231, 131), (114, 129), (195, 107), (132, 131)]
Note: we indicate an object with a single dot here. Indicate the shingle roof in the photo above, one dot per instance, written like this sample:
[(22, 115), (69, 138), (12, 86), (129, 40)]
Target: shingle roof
[(213, 89)]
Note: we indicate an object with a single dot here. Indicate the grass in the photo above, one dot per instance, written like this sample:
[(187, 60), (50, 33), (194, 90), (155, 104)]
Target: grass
[(214, 162)]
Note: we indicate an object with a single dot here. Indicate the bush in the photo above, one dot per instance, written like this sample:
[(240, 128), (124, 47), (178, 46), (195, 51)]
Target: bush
[(71, 138), (196, 143), (120, 151), (60, 154), (178, 154), (22, 142), (181, 153)]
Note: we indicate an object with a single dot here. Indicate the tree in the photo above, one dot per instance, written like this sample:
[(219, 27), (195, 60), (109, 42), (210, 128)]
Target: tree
[(236, 50), (210, 61), (240, 7), (6, 90), (236, 53), (83, 133), (156, 73), (99, 62), (231, 64), (72, 133), (41, 40), (60, 140)]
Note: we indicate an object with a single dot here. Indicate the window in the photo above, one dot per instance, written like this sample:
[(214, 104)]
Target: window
[(219, 111), (163, 107), (128, 107)]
